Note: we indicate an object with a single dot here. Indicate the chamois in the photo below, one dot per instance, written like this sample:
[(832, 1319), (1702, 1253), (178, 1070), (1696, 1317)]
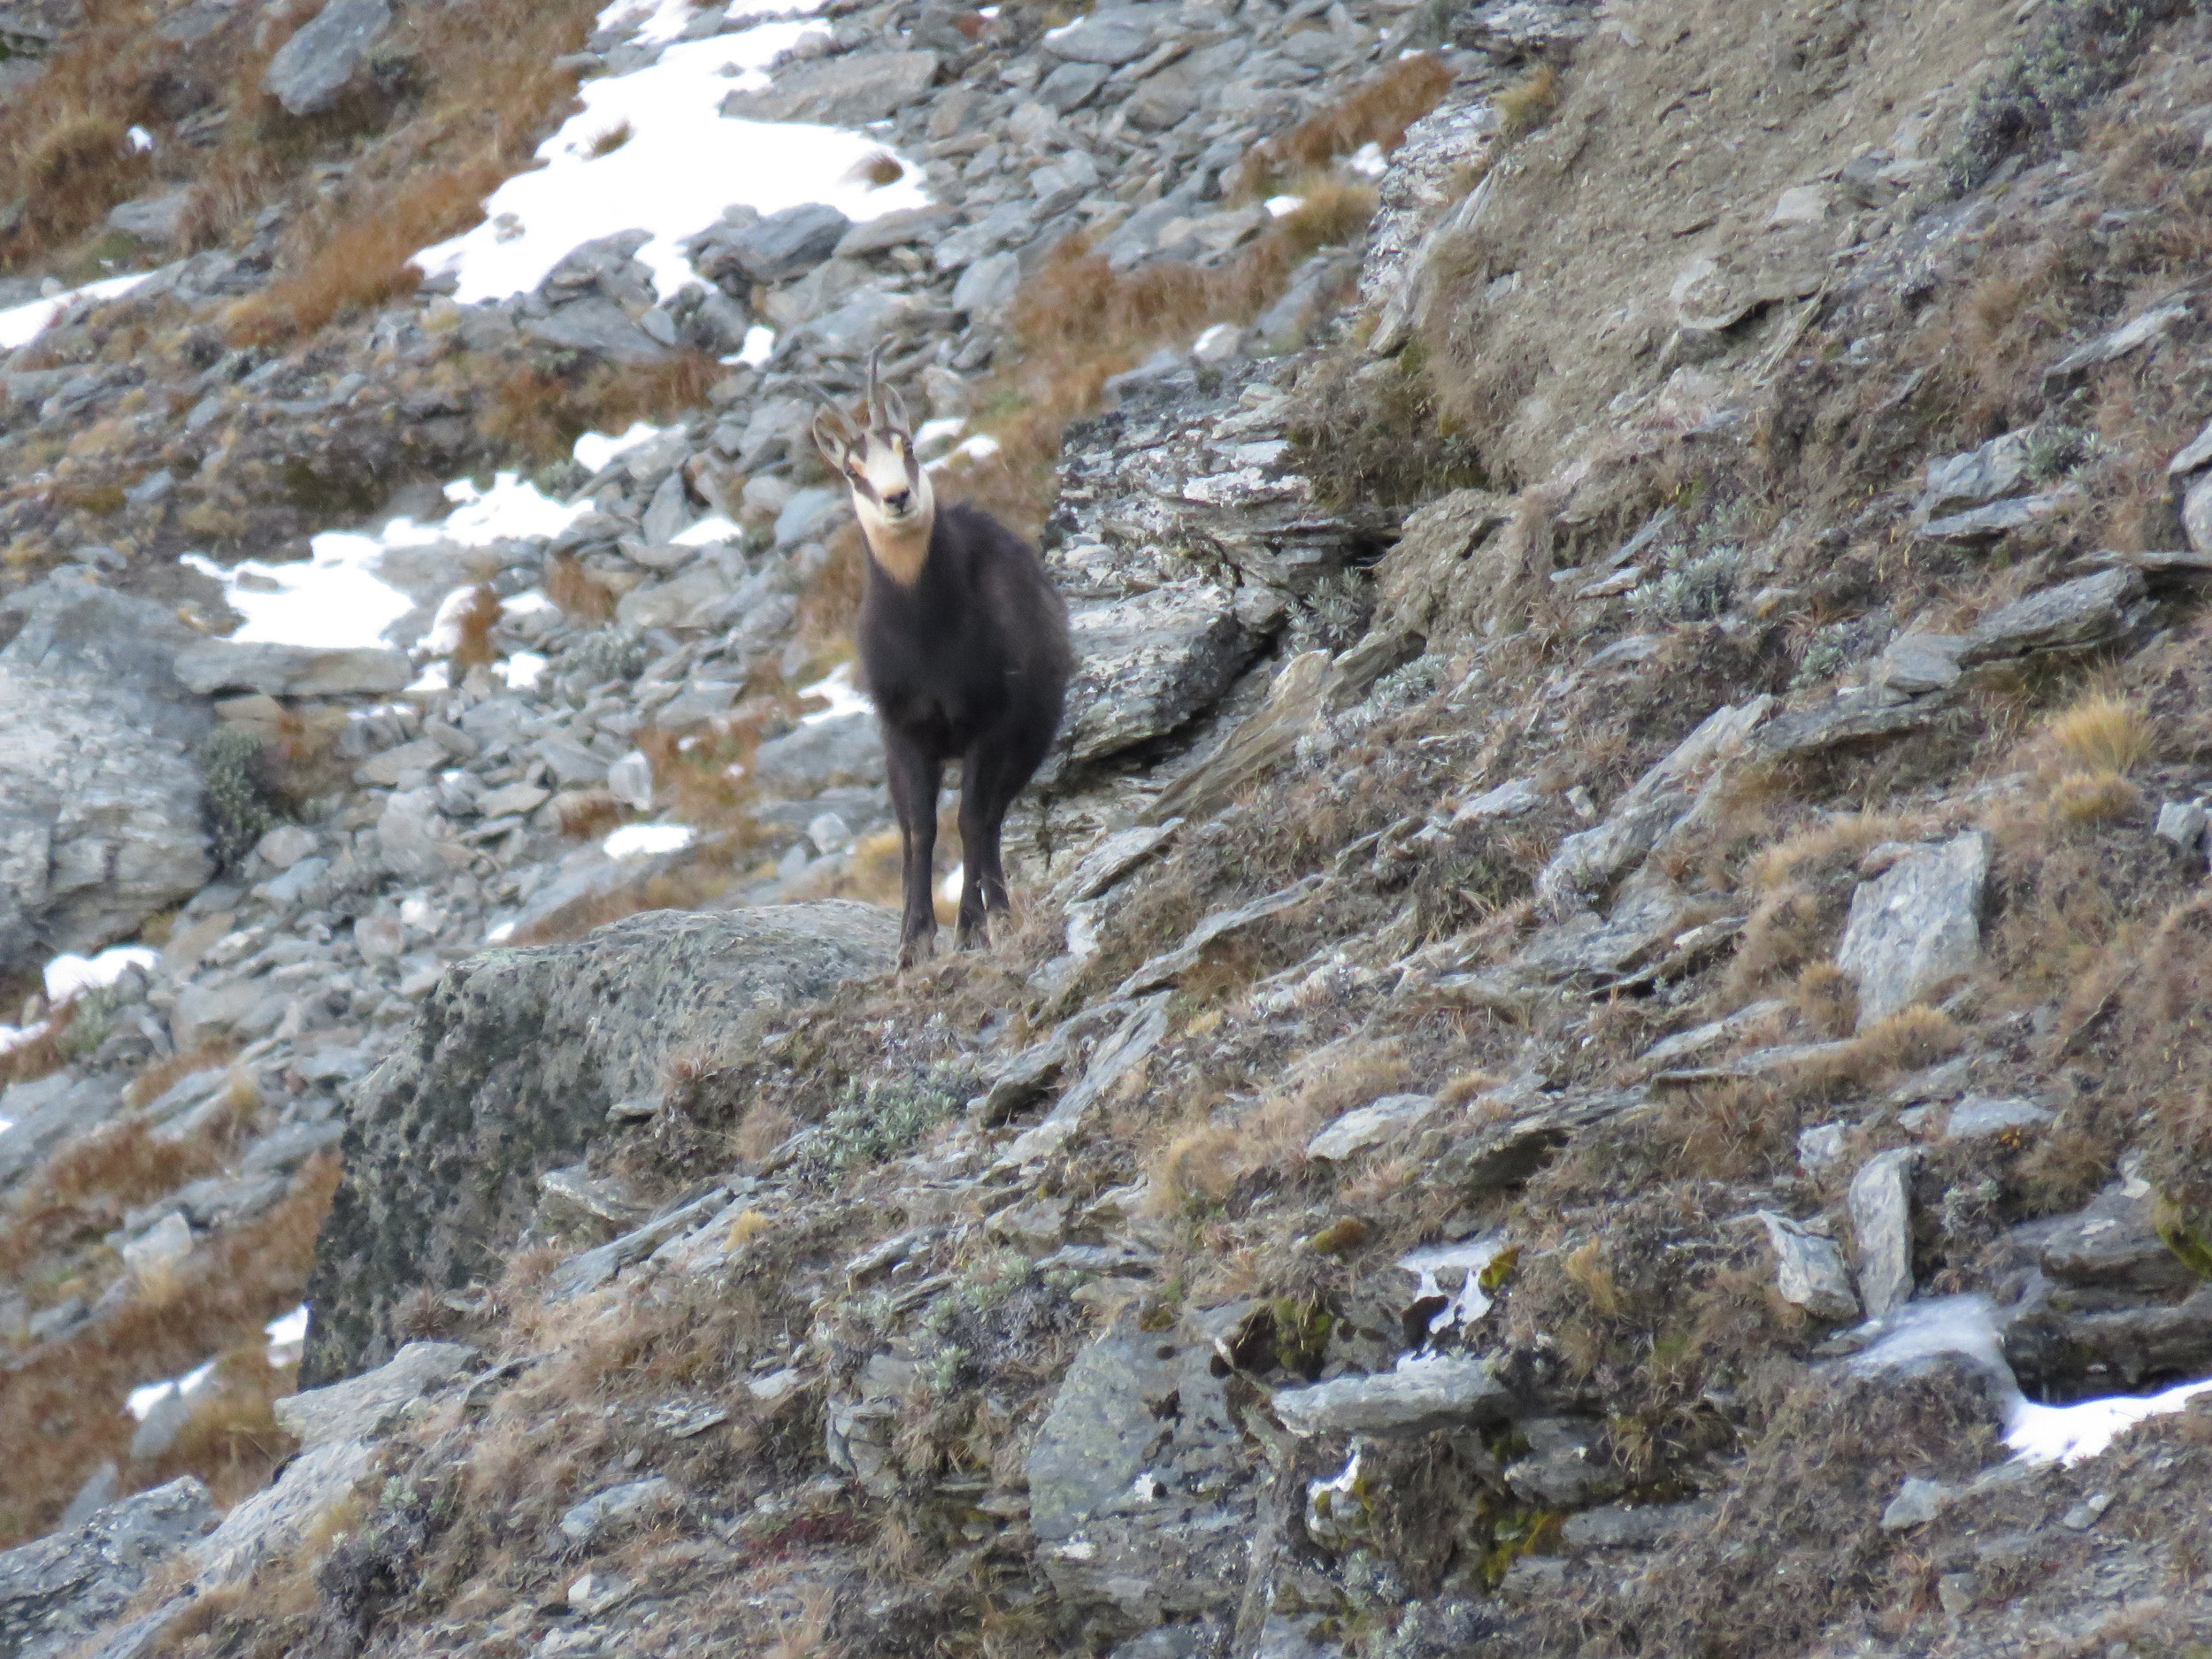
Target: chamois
[(964, 649)]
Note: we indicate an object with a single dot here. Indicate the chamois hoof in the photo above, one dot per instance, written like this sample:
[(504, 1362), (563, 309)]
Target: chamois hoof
[(916, 951)]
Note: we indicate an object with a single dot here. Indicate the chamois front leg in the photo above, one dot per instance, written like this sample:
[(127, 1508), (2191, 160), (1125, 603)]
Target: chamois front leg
[(991, 774), (914, 777)]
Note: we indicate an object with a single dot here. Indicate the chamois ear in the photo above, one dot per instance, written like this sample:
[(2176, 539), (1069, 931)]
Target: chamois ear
[(833, 437), (894, 412)]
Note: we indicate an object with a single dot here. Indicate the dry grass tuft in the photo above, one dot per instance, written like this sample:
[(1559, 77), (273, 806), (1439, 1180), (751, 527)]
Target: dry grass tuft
[(473, 648), (364, 261), (587, 814), (2086, 798), (160, 1076), (1827, 999), (1528, 103), (538, 415), (1201, 1165), (1904, 1041), (581, 596), (1377, 111), (2100, 732), (1078, 322), (62, 1413)]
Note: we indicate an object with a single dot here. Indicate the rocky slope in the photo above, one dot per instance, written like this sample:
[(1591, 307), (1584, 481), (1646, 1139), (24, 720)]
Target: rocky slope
[(1604, 1049)]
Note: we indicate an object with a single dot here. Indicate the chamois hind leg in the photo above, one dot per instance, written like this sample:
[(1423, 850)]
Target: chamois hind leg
[(914, 777), (991, 774)]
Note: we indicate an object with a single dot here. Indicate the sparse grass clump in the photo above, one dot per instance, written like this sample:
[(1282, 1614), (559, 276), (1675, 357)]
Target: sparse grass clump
[(1377, 111), (1528, 102), (1078, 322), (2077, 51), (887, 1116), (238, 809), (2101, 733)]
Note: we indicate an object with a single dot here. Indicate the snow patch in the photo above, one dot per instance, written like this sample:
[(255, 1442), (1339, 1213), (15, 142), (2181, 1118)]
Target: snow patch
[(714, 527), (1461, 1311), (760, 345), (645, 840), (335, 601), (142, 1400), (522, 671), (843, 695), (19, 324), (594, 450), (1966, 1327), (651, 181), (287, 1336), (71, 976)]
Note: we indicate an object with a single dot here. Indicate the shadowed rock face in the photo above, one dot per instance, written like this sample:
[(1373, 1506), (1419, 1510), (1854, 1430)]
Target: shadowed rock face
[(509, 1070)]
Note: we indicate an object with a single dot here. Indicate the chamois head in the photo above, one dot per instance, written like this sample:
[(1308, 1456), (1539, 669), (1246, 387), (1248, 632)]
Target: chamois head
[(890, 487)]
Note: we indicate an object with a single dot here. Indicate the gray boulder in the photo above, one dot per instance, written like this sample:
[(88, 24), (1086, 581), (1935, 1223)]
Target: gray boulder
[(1916, 928), (59, 1589), (821, 755), (291, 671), (1149, 663), (597, 325), (509, 1070), (1141, 1423), (312, 70), (849, 91), (1880, 1202), (154, 218), (2075, 615), (1111, 37), (100, 815), (787, 244)]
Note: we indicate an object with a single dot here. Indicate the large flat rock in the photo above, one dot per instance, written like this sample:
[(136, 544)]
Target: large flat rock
[(1148, 664), (509, 1070), (57, 1590), (849, 91), (1916, 928)]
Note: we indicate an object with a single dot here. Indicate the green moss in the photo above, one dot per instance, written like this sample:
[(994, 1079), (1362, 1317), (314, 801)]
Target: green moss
[(2080, 49), (2184, 1234), (238, 809), (888, 1117)]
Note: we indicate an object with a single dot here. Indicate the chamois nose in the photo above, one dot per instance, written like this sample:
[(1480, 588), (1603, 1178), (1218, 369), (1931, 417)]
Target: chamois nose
[(899, 500)]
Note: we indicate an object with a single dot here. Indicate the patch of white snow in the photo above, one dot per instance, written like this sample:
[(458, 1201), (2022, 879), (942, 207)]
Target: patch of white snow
[(644, 841), (70, 976), (19, 324), (653, 181)]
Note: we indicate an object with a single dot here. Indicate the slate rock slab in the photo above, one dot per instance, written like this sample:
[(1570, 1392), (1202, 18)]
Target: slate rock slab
[(1148, 664), (848, 91), (57, 1590), (312, 70), (291, 671), (1916, 928), (509, 1070), (1139, 1489), (2075, 615)]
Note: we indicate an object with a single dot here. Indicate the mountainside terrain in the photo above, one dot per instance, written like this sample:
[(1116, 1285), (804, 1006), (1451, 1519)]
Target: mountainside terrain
[(1603, 1048)]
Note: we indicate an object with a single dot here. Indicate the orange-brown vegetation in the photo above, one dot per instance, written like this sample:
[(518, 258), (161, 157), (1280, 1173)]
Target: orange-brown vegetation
[(472, 647), (1377, 111), (1078, 322), (62, 1414), (581, 596), (538, 414)]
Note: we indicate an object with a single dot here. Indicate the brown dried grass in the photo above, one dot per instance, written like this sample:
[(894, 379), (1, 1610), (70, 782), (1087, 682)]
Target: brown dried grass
[(581, 596), (1377, 111), (473, 648), (1078, 322), (364, 262), (537, 414), (62, 1414)]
